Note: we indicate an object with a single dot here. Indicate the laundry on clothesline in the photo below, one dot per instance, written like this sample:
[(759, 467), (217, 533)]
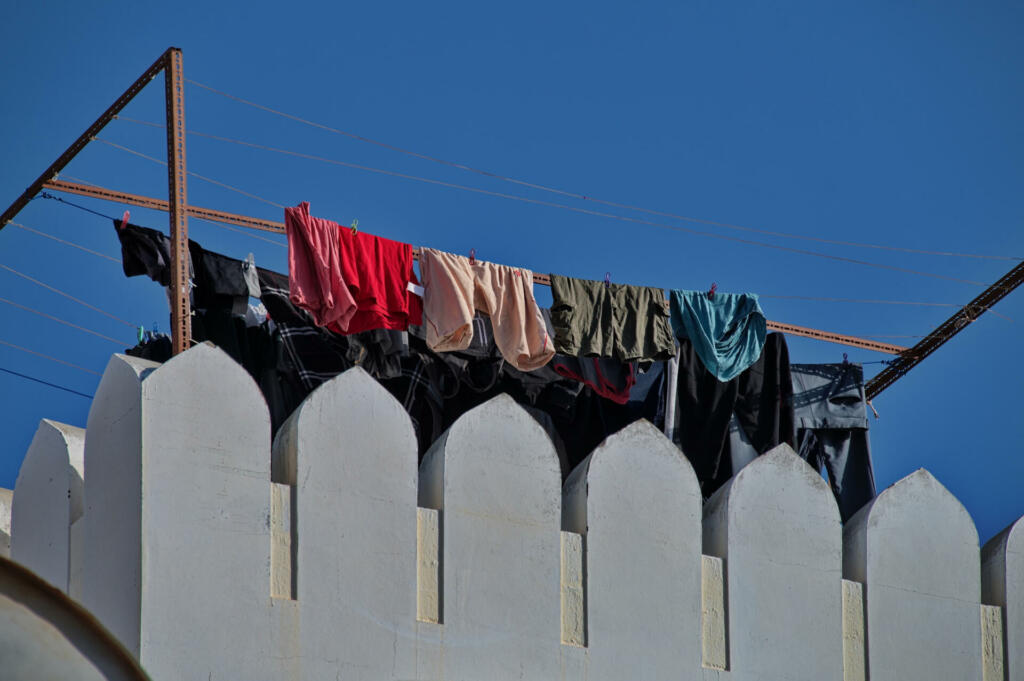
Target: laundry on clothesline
[(482, 334), (350, 281)]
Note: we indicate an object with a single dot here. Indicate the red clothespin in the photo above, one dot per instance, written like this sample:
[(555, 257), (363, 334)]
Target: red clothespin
[(711, 293), (607, 279), (124, 220), (355, 227), (472, 256)]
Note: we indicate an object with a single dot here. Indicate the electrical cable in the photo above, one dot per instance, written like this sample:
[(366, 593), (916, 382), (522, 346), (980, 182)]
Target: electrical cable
[(193, 174), (66, 243), (576, 195), (551, 204), (52, 359), (879, 302), (66, 295), (39, 380), (61, 321), (48, 195), (278, 243)]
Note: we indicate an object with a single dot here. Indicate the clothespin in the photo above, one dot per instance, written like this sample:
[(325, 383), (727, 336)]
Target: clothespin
[(355, 227), (142, 333), (846, 359), (873, 410), (711, 292), (472, 256), (124, 220), (607, 279)]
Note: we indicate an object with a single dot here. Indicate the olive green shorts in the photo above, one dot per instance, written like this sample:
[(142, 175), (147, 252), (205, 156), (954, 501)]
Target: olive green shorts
[(594, 319)]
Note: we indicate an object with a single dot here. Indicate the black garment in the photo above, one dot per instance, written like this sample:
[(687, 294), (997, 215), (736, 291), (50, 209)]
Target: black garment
[(831, 418), (156, 348), (319, 355), (422, 386), (218, 282), (144, 251), (760, 398)]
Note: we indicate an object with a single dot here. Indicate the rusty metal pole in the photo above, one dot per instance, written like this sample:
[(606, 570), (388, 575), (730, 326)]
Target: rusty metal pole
[(177, 199)]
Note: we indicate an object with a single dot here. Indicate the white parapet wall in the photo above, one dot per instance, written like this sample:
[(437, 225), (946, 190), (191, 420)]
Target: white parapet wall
[(212, 553), (49, 499)]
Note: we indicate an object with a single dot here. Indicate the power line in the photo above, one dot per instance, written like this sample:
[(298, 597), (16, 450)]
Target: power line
[(576, 195), (52, 359), (61, 321), (193, 174), (39, 380), (551, 204), (66, 295), (48, 195), (878, 302), (66, 243)]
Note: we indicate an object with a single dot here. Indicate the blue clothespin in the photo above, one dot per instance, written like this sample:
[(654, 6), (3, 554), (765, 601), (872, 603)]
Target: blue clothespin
[(607, 279)]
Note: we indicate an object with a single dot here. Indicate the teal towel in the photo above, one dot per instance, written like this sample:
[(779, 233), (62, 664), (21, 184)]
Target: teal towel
[(727, 331)]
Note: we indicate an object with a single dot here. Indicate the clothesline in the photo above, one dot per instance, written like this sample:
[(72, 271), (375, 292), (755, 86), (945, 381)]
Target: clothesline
[(277, 227)]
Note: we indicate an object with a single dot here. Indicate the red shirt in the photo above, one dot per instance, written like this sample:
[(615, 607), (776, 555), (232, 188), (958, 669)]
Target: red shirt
[(349, 282)]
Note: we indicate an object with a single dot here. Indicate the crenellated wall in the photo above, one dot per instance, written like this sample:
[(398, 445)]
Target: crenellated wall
[(212, 553)]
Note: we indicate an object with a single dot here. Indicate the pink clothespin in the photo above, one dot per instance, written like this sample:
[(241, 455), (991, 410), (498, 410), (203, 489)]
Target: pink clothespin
[(711, 293), (472, 256), (124, 220), (607, 279)]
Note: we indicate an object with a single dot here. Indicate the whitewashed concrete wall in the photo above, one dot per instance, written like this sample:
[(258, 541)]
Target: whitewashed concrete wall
[(212, 554), (48, 501), (6, 501)]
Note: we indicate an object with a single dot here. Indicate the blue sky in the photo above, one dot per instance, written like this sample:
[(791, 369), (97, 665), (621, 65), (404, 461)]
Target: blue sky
[(890, 123)]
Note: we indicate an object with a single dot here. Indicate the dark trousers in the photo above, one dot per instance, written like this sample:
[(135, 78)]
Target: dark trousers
[(846, 455), (760, 398)]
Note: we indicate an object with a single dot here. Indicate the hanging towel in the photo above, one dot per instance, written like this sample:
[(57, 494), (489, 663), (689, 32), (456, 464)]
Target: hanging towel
[(727, 331)]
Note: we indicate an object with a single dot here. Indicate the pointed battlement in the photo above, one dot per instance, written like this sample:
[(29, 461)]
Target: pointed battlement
[(212, 553)]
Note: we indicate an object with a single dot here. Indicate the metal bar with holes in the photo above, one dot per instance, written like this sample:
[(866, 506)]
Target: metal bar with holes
[(946, 330), (177, 202), (80, 143)]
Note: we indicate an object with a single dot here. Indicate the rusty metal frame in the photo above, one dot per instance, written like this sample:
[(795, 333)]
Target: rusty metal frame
[(943, 332), (170, 62), (84, 139), (177, 202)]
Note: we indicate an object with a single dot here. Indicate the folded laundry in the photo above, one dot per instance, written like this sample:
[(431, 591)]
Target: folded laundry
[(595, 319), (832, 429), (455, 288), (350, 281), (727, 329)]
